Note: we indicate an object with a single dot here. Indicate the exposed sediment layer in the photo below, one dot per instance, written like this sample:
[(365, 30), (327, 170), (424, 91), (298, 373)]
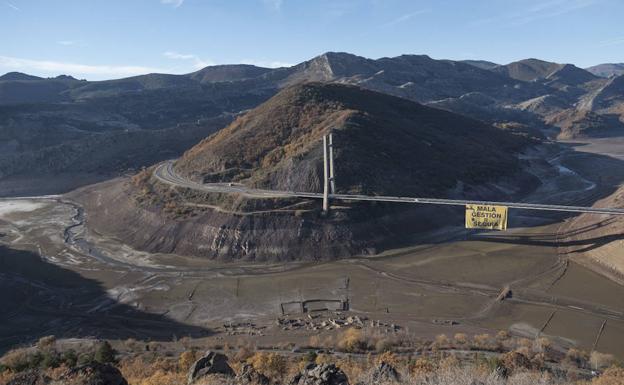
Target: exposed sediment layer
[(271, 235)]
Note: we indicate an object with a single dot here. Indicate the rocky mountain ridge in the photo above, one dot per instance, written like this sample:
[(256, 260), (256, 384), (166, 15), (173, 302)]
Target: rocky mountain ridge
[(40, 117)]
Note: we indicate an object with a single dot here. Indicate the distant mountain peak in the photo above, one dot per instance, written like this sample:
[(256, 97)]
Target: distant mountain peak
[(336, 63), (415, 56), (571, 74), (532, 70), (607, 70), (65, 77), (18, 76), (330, 66), (529, 70), (336, 55), (483, 64), (228, 72)]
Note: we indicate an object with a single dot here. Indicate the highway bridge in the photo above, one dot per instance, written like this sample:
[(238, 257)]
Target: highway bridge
[(165, 172)]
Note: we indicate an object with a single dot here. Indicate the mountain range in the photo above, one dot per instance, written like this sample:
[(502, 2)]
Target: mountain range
[(66, 125)]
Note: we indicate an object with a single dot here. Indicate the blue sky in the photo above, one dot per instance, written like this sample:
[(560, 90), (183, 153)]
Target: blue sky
[(115, 38)]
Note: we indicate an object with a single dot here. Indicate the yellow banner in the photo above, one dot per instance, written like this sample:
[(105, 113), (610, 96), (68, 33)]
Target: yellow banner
[(486, 217)]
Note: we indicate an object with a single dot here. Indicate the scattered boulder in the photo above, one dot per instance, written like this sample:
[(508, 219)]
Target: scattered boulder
[(250, 376), (93, 374), (324, 374), (210, 363), (385, 373)]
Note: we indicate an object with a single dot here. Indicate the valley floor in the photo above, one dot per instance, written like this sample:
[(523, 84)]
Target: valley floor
[(540, 278)]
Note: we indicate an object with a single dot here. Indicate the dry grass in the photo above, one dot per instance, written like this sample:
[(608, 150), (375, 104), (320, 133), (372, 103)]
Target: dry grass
[(15, 359), (576, 357), (213, 380), (448, 370), (187, 358), (272, 365), (388, 358), (244, 353), (524, 364), (599, 360), (352, 340), (612, 376), (421, 367), (460, 339), (6, 376), (150, 370)]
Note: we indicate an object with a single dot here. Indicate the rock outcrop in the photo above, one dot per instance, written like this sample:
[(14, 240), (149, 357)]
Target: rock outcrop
[(93, 374), (210, 363), (385, 373), (324, 374), (250, 376)]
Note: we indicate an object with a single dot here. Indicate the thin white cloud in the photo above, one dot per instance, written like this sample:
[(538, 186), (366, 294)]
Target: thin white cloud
[(611, 42), (404, 18), (174, 3), (538, 11), (49, 67), (266, 63), (176, 55), (198, 63), (66, 42), (275, 5), (337, 10), (12, 6), (551, 9)]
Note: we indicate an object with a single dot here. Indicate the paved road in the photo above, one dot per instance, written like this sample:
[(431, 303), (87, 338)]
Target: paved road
[(165, 172)]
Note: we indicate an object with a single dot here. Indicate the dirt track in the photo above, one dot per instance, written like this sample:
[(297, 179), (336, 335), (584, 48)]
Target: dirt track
[(455, 276)]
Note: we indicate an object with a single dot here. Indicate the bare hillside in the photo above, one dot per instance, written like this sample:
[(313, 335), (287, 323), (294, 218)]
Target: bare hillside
[(384, 145)]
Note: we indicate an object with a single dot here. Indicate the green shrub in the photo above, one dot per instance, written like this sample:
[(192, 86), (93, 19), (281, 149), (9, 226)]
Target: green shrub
[(104, 353), (50, 359), (35, 360), (310, 356), (85, 358), (69, 358), (494, 364)]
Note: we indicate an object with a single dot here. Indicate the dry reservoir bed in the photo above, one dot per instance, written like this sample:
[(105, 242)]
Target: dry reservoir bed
[(86, 284), (432, 289)]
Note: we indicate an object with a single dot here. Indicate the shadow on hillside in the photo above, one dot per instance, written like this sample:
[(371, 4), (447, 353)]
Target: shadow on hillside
[(605, 171), (556, 239), (573, 232), (41, 299)]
